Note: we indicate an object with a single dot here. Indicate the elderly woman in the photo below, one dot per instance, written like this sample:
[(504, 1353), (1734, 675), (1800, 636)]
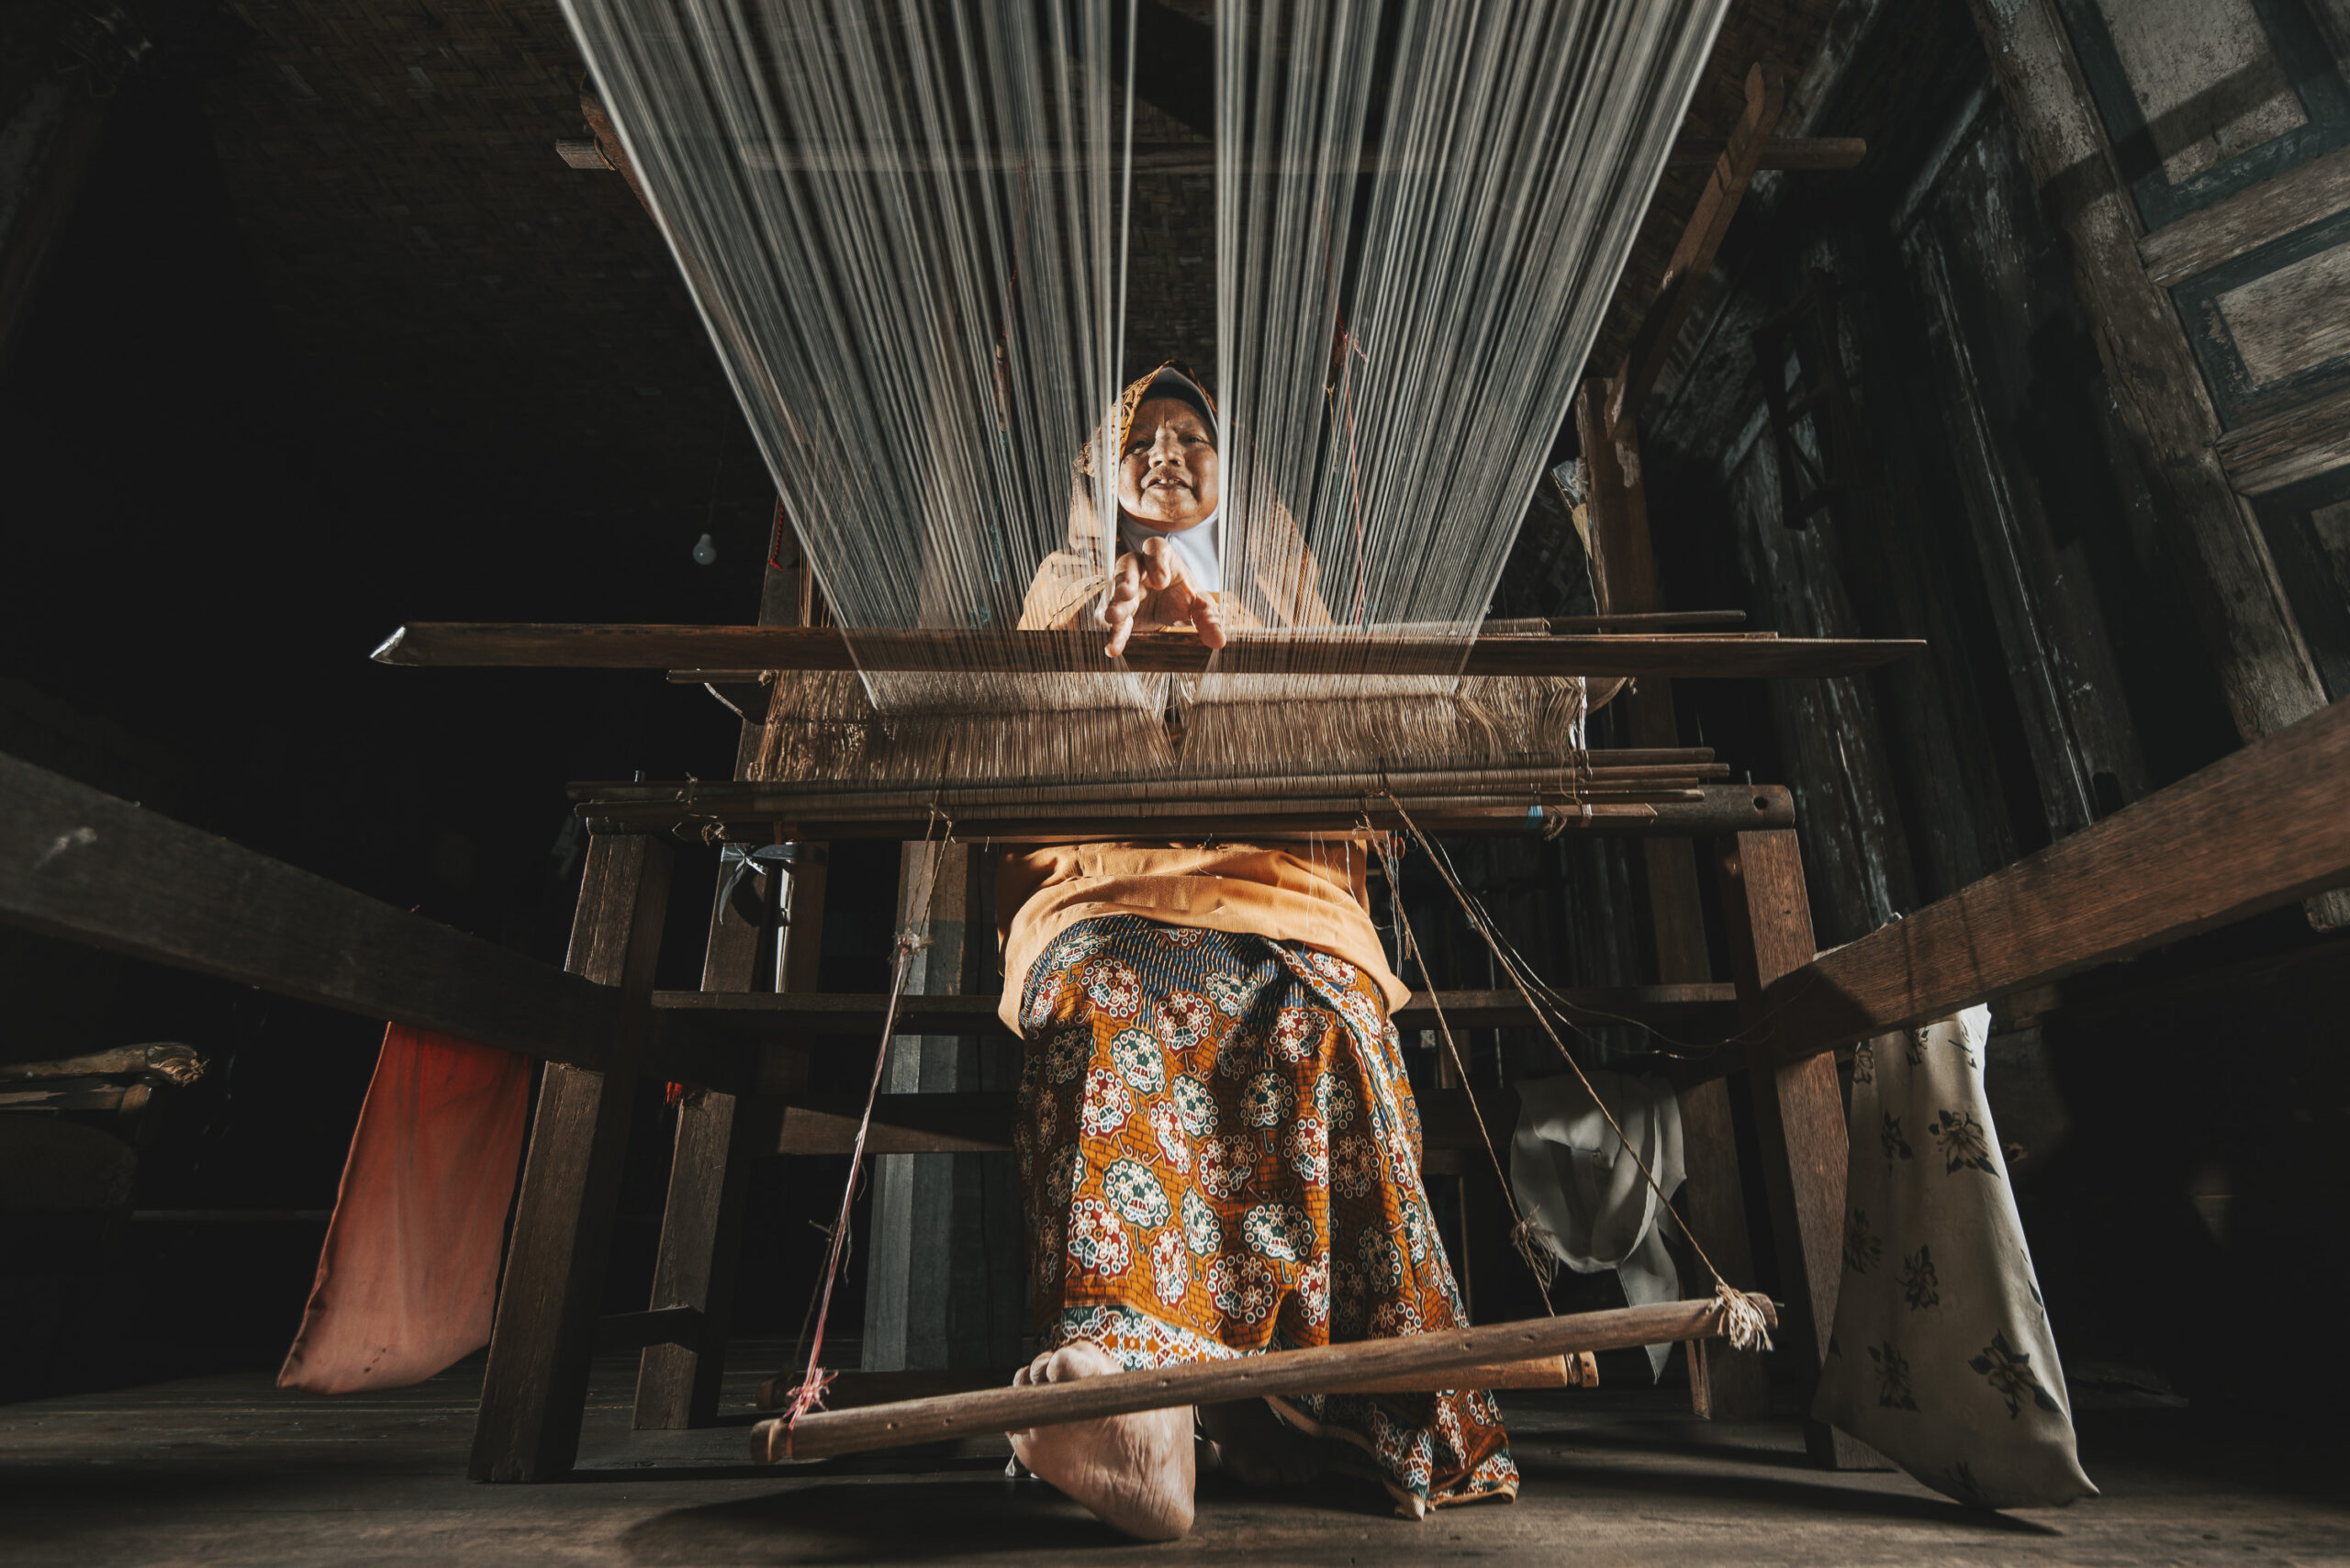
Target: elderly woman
[(1218, 1145)]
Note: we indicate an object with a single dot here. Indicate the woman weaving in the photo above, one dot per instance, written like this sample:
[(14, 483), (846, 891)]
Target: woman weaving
[(1217, 1142)]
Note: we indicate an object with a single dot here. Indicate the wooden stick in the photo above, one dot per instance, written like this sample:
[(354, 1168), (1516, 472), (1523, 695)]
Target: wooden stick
[(1695, 656), (1365, 1363), (855, 1390)]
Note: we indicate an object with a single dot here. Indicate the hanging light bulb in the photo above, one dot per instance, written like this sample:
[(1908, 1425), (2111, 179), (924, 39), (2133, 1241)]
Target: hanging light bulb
[(705, 552)]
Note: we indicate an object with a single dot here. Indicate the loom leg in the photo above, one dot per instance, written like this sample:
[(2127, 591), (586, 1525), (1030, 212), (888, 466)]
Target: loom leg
[(1724, 1385), (1798, 1119), (701, 1228), (535, 1388), (677, 1386)]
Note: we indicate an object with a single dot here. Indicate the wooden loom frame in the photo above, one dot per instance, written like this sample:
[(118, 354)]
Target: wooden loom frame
[(2259, 829)]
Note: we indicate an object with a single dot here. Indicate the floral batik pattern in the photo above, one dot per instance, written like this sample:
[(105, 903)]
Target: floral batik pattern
[(1220, 1155)]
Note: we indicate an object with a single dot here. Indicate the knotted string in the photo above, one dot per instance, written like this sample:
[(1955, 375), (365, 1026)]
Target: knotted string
[(1524, 1231), (1743, 1323), (810, 1394)]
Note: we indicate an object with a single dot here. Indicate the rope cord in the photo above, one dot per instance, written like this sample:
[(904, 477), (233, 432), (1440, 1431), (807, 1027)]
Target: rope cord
[(810, 1393), (1743, 1322), (1524, 1233)]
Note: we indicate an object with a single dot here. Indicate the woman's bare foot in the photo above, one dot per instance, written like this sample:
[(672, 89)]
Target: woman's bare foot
[(1258, 1447), (1136, 1472)]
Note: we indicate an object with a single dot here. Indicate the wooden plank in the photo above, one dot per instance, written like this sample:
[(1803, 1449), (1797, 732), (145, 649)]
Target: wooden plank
[(86, 866), (535, 1386), (2264, 667), (2259, 828), (2290, 200), (1740, 156), (1707, 811), (663, 1328), (575, 645), (1798, 1113), (2289, 447), (1632, 773), (1363, 1363), (1790, 152), (858, 1017)]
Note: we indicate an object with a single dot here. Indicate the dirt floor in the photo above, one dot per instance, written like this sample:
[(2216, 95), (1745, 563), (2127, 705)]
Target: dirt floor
[(229, 1469)]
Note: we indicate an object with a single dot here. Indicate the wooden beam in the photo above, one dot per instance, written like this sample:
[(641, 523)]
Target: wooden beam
[(2290, 199), (857, 1015), (534, 1390), (86, 866), (1799, 1113), (739, 814), (1690, 655), (2260, 828), (1793, 153), (1734, 169), (2286, 448), (1362, 1365)]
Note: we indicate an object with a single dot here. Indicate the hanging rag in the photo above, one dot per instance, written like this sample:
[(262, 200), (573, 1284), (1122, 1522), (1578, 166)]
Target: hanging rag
[(1575, 1181), (408, 1277), (1942, 1359)]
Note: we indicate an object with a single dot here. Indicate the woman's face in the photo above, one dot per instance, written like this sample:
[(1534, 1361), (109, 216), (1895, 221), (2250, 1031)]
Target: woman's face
[(1167, 475)]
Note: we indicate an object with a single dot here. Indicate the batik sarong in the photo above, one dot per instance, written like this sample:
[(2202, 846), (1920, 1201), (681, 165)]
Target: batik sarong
[(1220, 1155)]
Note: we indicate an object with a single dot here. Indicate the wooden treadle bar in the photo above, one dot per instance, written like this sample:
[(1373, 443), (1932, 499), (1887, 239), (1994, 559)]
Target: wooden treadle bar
[(1685, 655), (1369, 1363), (857, 1390)]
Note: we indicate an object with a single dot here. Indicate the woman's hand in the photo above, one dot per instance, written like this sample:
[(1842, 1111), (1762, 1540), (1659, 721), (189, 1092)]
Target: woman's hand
[(1156, 568)]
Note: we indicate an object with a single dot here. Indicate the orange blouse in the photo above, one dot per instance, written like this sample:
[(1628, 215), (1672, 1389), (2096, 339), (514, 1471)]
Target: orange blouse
[(1311, 890)]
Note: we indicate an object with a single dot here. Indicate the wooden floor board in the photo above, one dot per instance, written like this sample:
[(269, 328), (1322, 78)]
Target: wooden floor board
[(229, 1469)]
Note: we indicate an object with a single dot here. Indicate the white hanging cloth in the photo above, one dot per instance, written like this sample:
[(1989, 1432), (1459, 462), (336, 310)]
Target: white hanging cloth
[(1575, 1180), (1942, 1359)]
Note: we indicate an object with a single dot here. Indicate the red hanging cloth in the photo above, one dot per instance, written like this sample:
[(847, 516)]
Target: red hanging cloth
[(408, 1279)]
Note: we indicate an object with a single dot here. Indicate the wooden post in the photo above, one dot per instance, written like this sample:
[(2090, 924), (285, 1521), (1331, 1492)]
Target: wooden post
[(677, 1386), (701, 1221), (536, 1385), (1724, 1385), (1798, 1116)]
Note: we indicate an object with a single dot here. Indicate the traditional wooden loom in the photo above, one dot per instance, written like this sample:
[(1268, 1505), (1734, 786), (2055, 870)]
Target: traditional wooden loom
[(2258, 829)]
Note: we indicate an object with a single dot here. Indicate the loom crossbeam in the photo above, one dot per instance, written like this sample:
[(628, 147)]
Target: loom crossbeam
[(806, 1015), (1683, 656), (1367, 1363), (752, 812)]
